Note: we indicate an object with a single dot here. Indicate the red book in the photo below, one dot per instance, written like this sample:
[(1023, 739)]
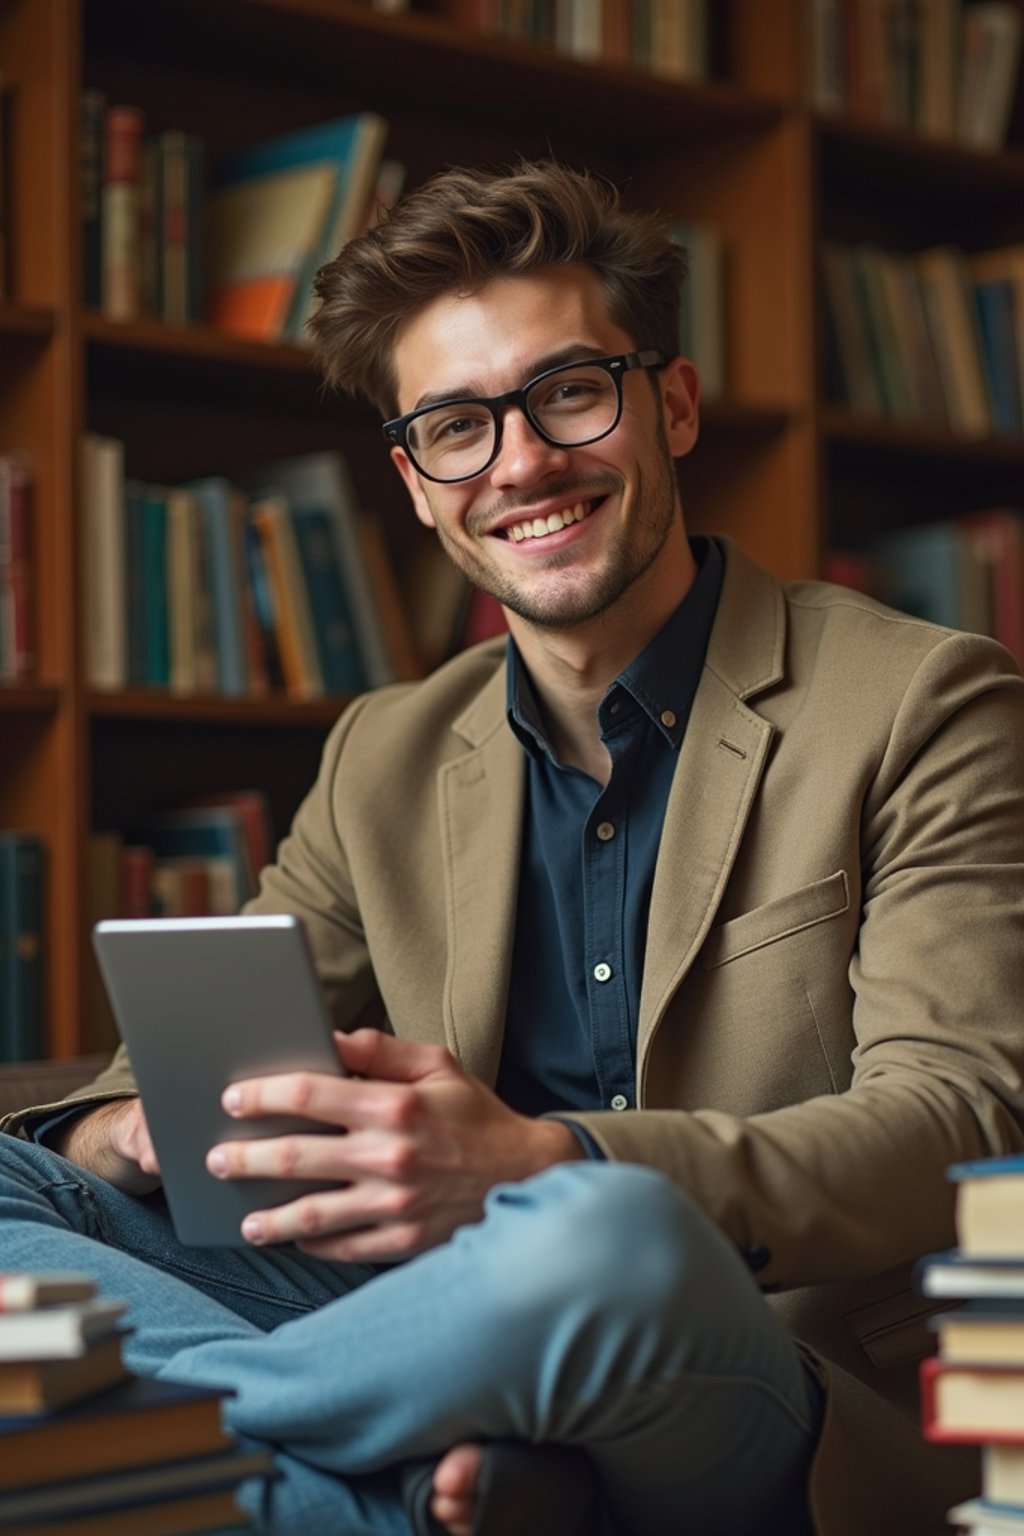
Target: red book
[(971, 1404), (136, 881)]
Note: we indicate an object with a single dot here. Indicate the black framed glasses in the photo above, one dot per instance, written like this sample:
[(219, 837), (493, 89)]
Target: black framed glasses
[(567, 406)]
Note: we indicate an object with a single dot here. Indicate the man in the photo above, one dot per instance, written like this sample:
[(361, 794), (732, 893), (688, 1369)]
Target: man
[(693, 923)]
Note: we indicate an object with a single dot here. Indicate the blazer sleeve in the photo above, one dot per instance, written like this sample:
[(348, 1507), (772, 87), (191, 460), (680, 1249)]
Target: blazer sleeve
[(853, 1183)]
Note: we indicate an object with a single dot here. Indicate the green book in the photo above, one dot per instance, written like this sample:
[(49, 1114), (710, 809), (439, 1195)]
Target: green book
[(22, 858)]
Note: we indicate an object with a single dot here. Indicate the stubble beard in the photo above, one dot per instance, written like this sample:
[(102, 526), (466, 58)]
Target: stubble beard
[(632, 554)]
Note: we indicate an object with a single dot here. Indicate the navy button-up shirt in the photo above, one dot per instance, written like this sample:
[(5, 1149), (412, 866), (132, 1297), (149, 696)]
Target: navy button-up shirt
[(587, 870)]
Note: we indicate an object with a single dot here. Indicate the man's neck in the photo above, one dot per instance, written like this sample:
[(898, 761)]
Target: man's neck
[(571, 670)]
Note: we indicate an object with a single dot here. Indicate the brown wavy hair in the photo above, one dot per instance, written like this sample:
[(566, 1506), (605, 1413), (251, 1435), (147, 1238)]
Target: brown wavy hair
[(464, 227)]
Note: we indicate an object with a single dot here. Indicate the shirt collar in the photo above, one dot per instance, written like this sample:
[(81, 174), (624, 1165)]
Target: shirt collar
[(662, 679)]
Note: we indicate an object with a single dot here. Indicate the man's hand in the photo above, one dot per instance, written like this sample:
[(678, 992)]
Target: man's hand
[(425, 1142), (113, 1140)]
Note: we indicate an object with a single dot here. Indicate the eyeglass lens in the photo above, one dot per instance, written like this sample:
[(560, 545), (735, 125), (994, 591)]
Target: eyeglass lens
[(573, 406)]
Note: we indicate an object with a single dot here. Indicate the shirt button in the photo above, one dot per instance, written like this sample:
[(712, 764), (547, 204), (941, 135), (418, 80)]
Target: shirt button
[(620, 1101), (602, 972), (668, 719), (605, 831)]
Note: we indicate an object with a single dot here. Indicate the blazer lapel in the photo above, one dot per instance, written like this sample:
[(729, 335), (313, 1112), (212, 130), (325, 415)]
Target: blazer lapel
[(715, 785), (480, 803)]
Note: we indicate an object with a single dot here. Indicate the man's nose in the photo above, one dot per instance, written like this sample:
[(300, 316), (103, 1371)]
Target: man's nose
[(524, 455)]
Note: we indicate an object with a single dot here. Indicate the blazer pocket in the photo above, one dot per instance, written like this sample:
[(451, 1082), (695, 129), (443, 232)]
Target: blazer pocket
[(776, 920), (895, 1331)]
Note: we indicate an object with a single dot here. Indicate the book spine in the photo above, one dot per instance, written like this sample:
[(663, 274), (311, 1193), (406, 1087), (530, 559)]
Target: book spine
[(17, 638), (103, 522), (121, 199), (21, 947), (340, 662), (90, 171), (156, 624)]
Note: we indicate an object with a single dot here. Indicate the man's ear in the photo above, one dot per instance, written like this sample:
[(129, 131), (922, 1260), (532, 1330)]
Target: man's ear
[(680, 396), (414, 485)]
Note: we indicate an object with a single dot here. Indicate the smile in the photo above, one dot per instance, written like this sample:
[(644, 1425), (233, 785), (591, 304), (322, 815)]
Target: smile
[(554, 522)]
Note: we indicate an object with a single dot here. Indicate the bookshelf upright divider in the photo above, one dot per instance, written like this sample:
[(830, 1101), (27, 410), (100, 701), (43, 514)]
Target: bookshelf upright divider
[(744, 154)]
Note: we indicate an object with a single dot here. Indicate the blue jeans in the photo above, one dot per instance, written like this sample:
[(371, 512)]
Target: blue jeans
[(594, 1305)]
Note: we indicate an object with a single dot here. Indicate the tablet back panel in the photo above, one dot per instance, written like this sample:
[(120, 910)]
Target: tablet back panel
[(201, 1003)]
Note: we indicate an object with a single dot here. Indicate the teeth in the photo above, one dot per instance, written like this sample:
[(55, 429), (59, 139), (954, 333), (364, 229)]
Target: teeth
[(537, 527)]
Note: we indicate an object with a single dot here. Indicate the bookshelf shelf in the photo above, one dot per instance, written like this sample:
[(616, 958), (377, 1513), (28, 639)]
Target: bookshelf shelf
[(28, 699), (21, 320), (883, 436), (274, 712), (742, 155)]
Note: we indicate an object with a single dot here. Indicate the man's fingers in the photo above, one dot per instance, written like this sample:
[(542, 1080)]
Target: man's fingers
[(343, 1102), (371, 1053)]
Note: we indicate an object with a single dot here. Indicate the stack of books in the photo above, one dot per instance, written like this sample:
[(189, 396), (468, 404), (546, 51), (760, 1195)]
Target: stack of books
[(86, 1448), (973, 1390)]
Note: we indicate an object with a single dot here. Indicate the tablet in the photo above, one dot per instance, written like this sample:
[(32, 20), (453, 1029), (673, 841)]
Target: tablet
[(202, 1002)]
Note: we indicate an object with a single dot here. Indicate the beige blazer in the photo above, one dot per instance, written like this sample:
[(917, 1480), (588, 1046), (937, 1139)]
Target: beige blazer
[(833, 994)]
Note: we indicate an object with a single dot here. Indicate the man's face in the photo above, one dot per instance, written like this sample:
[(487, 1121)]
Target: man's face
[(609, 510)]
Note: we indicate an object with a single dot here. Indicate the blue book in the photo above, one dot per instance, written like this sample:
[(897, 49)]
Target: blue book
[(997, 321), (923, 572), (354, 145), (156, 621), (336, 642), (216, 496), (22, 860), (203, 832)]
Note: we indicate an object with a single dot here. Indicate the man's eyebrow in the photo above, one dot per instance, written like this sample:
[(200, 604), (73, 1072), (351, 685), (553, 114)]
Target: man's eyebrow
[(471, 390)]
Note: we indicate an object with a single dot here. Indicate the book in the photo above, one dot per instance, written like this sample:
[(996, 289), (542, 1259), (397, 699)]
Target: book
[(133, 1485), (120, 264), (22, 870), (252, 809), (262, 232), (337, 647), (218, 501), (39, 1386), (1002, 1472), (178, 231), (352, 147), (92, 108), (106, 637), (202, 832), (993, 31), (971, 1403), (920, 571), (959, 1278), (24, 1290), (983, 1517), (953, 326), (322, 480), (981, 1333), (1006, 264), (58, 1332), (703, 310), (996, 301), (135, 1423), (860, 389), (216, 1512), (990, 1207), (1000, 534), (153, 558), (292, 618), (17, 596)]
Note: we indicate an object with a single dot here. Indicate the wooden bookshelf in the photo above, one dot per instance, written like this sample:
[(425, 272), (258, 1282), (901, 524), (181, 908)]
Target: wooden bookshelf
[(779, 467)]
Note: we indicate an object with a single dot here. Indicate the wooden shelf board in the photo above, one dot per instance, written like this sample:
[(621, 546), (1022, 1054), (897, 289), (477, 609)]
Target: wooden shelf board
[(846, 428), (28, 698), (409, 62), (154, 706), (201, 342), (26, 319)]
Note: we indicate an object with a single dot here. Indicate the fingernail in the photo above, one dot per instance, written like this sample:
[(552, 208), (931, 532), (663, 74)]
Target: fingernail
[(217, 1163), (251, 1229), (232, 1100)]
